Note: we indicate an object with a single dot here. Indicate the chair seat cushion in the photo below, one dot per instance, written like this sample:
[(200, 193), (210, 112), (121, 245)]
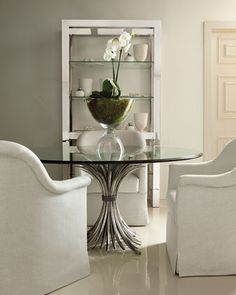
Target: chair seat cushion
[(171, 203), (130, 184)]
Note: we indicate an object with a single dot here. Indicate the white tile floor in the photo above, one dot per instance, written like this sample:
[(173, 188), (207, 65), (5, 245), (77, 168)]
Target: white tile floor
[(117, 273)]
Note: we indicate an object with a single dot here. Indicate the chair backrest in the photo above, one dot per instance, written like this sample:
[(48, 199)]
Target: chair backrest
[(34, 221), (12, 152), (128, 138), (17, 161), (226, 160)]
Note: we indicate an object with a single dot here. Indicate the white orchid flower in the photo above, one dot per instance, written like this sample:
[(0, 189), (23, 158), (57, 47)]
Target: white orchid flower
[(109, 54), (124, 39), (113, 44), (116, 44)]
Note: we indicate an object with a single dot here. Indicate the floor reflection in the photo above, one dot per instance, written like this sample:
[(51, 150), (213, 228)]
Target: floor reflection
[(124, 273)]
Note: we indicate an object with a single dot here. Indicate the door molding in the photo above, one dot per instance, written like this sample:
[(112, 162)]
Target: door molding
[(209, 28)]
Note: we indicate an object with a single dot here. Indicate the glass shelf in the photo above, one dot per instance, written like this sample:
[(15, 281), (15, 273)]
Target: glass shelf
[(99, 63), (73, 135), (133, 97)]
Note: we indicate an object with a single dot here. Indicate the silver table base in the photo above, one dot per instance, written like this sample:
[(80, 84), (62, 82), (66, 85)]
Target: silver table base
[(110, 230)]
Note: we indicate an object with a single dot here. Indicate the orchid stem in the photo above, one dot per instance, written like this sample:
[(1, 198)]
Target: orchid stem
[(118, 67), (113, 69)]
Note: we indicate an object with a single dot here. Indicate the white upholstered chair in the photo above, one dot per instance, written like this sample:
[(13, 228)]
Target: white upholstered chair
[(132, 194), (43, 239), (201, 222)]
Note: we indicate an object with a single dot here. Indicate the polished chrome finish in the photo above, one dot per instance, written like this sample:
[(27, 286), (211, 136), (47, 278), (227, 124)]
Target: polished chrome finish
[(110, 230)]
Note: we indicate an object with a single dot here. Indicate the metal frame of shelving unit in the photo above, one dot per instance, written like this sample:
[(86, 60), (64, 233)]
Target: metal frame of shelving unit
[(95, 27)]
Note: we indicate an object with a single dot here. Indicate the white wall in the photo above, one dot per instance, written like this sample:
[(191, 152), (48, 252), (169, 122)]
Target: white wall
[(30, 63)]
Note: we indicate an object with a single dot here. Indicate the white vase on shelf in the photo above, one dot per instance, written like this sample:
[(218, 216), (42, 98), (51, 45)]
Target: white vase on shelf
[(140, 51), (86, 84), (140, 121)]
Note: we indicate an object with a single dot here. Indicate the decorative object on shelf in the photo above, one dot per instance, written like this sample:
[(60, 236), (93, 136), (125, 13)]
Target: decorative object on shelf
[(110, 113), (140, 121), (130, 126), (155, 143), (129, 57), (79, 93), (86, 84), (106, 106), (140, 51)]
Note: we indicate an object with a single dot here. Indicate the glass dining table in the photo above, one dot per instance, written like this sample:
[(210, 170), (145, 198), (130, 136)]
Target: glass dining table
[(110, 229)]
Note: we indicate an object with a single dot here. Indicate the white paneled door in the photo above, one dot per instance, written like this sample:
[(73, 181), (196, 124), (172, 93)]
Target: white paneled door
[(220, 86)]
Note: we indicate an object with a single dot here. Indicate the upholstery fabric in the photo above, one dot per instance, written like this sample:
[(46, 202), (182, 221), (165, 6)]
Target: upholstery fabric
[(201, 221), (171, 203), (43, 225), (132, 196)]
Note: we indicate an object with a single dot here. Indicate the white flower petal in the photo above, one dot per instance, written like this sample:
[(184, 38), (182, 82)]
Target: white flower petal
[(109, 43), (127, 47), (106, 57), (113, 45), (122, 43), (126, 36), (124, 39), (109, 54)]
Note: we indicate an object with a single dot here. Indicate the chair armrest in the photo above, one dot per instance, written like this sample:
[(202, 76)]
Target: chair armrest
[(205, 211), (63, 186), (176, 170), (220, 180), (21, 153)]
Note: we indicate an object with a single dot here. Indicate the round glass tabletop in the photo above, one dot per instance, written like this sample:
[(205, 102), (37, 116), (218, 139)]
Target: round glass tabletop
[(71, 154)]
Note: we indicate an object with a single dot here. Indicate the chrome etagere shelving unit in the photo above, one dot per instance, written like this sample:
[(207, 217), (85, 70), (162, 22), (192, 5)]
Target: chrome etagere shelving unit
[(83, 44)]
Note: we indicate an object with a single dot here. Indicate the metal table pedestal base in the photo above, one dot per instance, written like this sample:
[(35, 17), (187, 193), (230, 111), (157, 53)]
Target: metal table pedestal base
[(110, 229)]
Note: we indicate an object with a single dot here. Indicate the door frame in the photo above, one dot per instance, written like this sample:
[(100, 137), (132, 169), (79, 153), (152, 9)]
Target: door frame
[(209, 28)]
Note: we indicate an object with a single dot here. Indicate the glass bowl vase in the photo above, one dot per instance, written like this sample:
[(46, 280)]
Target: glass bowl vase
[(110, 113)]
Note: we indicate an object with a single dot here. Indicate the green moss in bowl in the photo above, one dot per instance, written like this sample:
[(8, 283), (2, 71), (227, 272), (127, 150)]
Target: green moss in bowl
[(110, 111)]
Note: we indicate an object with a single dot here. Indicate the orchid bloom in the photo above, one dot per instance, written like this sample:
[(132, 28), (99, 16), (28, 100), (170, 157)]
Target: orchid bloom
[(124, 39), (109, 55), (111, 49), (113, 46)]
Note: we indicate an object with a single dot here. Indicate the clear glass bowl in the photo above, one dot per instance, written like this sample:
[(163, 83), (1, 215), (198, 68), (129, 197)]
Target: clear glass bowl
[(110, 113)]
